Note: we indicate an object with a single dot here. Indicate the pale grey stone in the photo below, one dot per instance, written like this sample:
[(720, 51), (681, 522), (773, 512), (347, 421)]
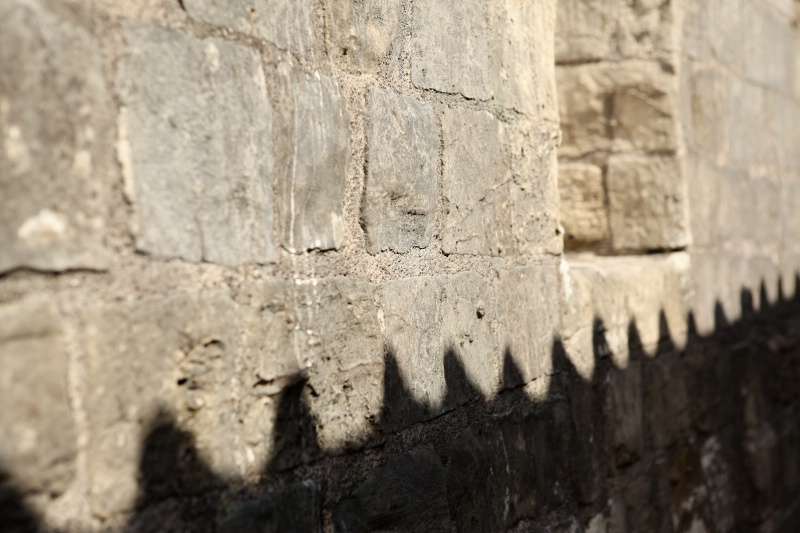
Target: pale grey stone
[(473, 155), (54, 132), (285, 23), (648, 208), (195, 145), (450, 48), (345, 349), (403, 160), (166, 356), (748, 113), (362, 34), (768, 47), (38, 445), (528, 321), (313, 153)]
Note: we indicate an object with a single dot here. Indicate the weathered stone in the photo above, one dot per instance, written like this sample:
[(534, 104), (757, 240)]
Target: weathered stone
[(787, 135), (450, 48), (709, 117), (403, 155), (146, 361), (473, 155), (768, 47), (313, 154), (749, 112), (725, 30), (345, 348), (55, 135), (704, 183), (645, 30), (285, 23), (362, 36), (39, 442), (648, 209), (527, 320), (295, 509), (522, 56), (583, 204), (195, 146), (583, 30), (532, 205), (617, 107), (406, 494)]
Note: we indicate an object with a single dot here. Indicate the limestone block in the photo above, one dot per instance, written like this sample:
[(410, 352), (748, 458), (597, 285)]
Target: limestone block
[(195, 146), (345, 348), (708, 95), (403, 155), (786, 113), (39, 442), (522, 56), (285, 23), (54, 129), (725, 31), (528, 318), (645, 30), (760, 217), (695, 29), (297, 507), (583, 30), (705, 187), (790, 215), (768, 43), (648, 208), (583, 204), (450, 48), (623, 412), (170, 357), (313, 155), (362, 35), (734, 202), (619, 107), (533, 200), (474, 222)]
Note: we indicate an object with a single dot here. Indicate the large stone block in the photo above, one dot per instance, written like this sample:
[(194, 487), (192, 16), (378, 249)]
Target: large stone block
[(708, 122), (195, 146), (403, 160), (583, 205), (313, 153), (285, 23), (528, 300), (450, 48), (474, 217), (583, 30), (648, 208), (55, 131), (705, 182), (346, 356), (725, 30), (38, 445), (768, 44), (617, 107), (362, 35), (149, 363)]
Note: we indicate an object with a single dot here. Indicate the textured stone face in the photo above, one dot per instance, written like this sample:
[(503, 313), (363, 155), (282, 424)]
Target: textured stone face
[(284, 23), (362, 34), (473, 155), (403, 155), (151, 359), (313, 152), (647, 203), (195, 144), (54, 126), (39, 442), (583, 204)]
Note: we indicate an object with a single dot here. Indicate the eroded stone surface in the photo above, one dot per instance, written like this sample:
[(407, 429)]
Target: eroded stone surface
[(285, 23), (195, 144), (362, 34), (403, 155), (39, 441), (54, 130), (583, 204), (312, 161)]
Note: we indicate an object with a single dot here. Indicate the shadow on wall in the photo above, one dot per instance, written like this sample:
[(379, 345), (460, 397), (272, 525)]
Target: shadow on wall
[(706, 438)]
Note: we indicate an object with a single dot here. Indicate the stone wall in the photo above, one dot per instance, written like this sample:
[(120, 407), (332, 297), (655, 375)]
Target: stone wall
[(297, 265)]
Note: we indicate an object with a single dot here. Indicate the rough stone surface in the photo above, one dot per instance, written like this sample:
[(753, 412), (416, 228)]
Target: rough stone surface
[(362, 36), (150, 362), (583, 29), (39, 443), (474, 215), (647, 204), (201, 182), (403, 155), (583, 204), (285, 23), (54, 127), (313, 155), (295, 509)]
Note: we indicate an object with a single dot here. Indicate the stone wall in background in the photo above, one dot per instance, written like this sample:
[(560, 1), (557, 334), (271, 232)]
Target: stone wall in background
[(297, 265)]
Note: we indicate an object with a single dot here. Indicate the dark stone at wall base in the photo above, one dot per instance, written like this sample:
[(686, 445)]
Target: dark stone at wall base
[(406, 494), (295, 509)]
